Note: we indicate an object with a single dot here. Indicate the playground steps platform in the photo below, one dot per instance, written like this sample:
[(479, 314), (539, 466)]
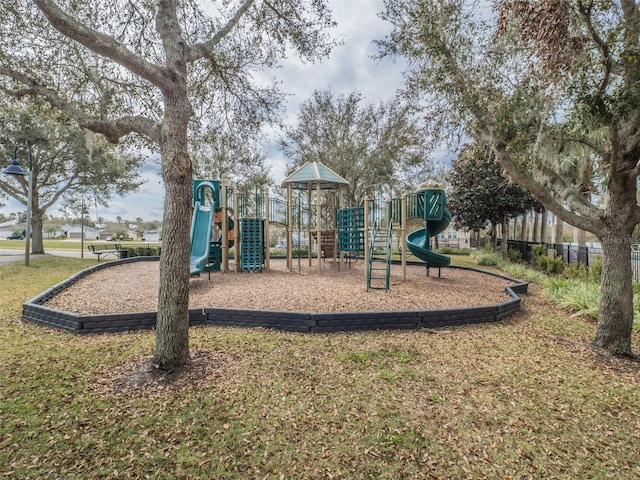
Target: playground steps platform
[(378, 278)]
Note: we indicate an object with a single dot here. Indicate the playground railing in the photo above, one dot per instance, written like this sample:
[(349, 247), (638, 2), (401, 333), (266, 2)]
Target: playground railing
[(278, 211)]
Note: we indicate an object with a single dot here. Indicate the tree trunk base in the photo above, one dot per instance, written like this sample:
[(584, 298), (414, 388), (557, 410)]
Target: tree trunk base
[(614, 349)]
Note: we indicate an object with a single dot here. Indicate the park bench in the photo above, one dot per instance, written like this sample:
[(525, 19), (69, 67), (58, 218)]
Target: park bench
[(103, 250)]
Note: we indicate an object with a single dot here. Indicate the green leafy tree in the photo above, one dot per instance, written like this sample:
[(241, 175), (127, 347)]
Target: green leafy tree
[(533, 82), (481, 196), (121, 67), (67, 161), (53, 225), (365, 144), (231, 151)]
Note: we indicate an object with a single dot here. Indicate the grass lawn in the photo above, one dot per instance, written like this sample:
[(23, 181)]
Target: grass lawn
[(523, 398)]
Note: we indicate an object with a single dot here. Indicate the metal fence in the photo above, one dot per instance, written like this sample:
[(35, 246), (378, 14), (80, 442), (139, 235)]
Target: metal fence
[(570, 253)]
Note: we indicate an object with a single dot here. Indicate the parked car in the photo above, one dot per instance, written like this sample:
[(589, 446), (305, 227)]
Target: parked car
[(16, 236)]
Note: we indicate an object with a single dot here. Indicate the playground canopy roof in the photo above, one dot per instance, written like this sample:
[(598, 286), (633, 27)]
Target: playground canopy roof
[(312, 173)]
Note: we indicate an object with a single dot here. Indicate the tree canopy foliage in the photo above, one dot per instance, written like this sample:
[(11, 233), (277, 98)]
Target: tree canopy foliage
[(68, 161), (364, 143), (159, 70), (548, 86), (236, 156), (480, 195)]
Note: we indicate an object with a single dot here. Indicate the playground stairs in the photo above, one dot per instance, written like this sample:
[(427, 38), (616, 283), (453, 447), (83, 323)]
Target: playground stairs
[(379, 268)]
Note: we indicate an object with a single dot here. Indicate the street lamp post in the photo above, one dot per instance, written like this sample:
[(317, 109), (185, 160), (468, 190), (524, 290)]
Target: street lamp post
[(15, 169), (82, 227)]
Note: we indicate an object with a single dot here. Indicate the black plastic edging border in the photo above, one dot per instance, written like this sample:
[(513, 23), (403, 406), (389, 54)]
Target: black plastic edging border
[(35, 310)]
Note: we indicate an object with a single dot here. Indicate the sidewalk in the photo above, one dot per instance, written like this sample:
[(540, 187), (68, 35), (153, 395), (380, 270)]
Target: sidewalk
[(10, 256)]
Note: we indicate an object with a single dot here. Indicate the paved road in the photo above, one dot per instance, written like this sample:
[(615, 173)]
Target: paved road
[(10, 256)]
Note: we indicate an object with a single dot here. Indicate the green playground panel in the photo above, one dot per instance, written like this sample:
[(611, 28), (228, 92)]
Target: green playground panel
[(215, 254), (415, 205), (251, 251), (350, 222), (434, 201)]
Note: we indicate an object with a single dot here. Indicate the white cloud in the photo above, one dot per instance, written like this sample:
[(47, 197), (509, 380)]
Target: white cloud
[(147, 203), (351, 66)]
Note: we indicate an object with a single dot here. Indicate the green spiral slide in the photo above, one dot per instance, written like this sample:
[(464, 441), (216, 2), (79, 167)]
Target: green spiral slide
[(418, 240)]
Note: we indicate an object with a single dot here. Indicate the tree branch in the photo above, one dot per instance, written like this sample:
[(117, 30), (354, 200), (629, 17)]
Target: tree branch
[(59, 192), (113, 130), (585, 12), (206, 49), (103, 45), (543, 194)]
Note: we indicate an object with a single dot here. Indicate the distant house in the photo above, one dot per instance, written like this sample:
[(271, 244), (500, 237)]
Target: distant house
[(151, 236), (451, 237), (7, 228), (74, 232)]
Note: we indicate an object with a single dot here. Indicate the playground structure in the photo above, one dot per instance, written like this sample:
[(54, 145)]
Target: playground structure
[(339, 233), (430, 204), (223, 216), (201, 224)]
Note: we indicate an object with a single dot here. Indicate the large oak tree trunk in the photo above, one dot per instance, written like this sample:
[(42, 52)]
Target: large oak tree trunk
[(172, 331), (615, 315)]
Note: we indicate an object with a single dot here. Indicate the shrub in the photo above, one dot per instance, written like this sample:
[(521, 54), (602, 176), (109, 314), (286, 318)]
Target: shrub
[(553, 265), (595, 268), (143, 251), (554, 286), (489, 259), (302, 252), (547, 263), (519, 270), (538, 257), (579, 297), (576, 271), (514, 255), (454, 251)]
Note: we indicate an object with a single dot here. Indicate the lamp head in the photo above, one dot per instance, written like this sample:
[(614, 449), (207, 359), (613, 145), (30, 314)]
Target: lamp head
[(14, 168)]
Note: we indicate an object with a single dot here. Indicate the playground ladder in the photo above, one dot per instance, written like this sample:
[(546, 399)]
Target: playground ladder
[(350, 223), (251, 245), (375, 275)]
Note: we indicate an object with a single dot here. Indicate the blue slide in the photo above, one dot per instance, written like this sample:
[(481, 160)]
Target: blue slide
[(201, 231), (418, 243)]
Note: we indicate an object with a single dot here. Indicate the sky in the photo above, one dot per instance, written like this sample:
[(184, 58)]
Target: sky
[(350, 67)]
